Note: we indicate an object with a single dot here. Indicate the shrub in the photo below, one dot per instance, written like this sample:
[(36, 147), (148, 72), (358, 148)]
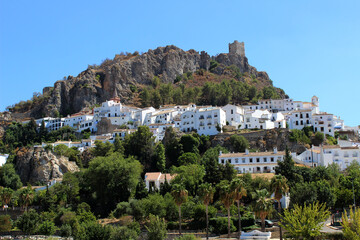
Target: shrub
[(187, 237), (123, 233), (65, 230), (351, 224), (156, 228), (47, 228), (5, 223), (220, 225), (28, 222)]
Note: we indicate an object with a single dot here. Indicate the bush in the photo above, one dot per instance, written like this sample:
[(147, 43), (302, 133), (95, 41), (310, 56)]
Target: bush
[(187, 237), (65, 230), (156, 228), (5, 223), (220, 225), (47, 228), (28, 222), (123, 233)]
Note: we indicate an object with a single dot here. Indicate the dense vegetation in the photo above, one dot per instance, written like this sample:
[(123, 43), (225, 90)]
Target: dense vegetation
[(211, 93), (111, 186)]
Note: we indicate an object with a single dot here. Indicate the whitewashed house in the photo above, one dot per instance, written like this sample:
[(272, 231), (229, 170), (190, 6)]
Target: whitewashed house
[(328, 154), (234, 115), (154, 180), (253, 162)]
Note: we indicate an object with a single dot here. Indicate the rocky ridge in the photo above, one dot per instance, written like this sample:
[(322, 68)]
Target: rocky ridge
[(99, 83)]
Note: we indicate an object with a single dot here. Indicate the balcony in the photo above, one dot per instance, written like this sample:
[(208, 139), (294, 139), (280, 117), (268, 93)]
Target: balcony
[(201, 117), (209, 124), (208, 117)]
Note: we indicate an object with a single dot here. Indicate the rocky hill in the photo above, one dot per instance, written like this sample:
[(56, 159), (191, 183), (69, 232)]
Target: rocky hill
[(128, 74)]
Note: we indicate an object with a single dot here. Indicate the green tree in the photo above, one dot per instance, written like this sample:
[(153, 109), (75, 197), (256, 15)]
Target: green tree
[(102, 149), (180, 195), (239, 143), (160, 157), (156, 228), (119, 145), (47, 228), (141, 144), (227, 198), (303, 192), (206, 195), (26, 196), (191, 176), (6, 195), (304, 221), (188, 158), (145, 98), (156, 99), (263, 206), (113, 179), (239, 191), (9, 178), (5, 223), (351, 224), (279, 188), (28, 222), (190, 143)]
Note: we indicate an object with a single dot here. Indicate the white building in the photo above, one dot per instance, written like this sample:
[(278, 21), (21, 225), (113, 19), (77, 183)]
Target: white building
[(263, 119), (327, 123), (156, 179), (76, 120), (298, 119), (253, 162), (204, 120), (328, 154), (234, 115), (3, 158)]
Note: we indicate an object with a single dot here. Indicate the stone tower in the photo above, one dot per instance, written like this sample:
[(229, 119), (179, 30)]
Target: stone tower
[(237, 48)]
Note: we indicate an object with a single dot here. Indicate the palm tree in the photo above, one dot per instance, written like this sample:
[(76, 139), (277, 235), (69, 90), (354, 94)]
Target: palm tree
[(180, 195), (280, 188), (227, 198), (263, 206), (206, 194), (239, 192), (5, 196), (26, 196)]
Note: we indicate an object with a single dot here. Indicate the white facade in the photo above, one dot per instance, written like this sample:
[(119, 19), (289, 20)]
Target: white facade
[(234, 115), (156, 179), (263, 119), (3, 158), (253, 162), (204, 120), (299, 119), (326, 155)]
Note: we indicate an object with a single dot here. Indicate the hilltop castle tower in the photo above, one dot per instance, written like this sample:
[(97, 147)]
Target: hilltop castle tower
[(237, 48)]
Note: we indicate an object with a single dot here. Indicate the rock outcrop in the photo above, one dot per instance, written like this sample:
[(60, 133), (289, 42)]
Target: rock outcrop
[(38, 165), (99, 83)]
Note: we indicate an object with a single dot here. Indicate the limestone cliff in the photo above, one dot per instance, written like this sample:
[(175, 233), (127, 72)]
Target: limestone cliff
[(99, 83), (38, 165)]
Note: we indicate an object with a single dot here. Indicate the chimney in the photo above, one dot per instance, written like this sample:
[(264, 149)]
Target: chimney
[(220, 153), (246, 151), (275, 150)]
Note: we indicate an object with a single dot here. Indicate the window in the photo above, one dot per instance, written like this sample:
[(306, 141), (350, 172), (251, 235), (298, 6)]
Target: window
[(243, 160), (265, 159), (236, 160), (257, 159), (272, 159), (229, 160), (250, 160), (232, 111), (222, 161)]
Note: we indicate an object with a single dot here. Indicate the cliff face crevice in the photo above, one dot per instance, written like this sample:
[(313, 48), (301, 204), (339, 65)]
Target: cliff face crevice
[(38, 165), (99, 83)]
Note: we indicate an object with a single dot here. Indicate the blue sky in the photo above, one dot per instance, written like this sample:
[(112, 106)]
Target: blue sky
[(307, 47)]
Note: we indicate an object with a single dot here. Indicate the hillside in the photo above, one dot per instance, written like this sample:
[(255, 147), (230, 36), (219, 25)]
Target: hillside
[(166, 75)]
